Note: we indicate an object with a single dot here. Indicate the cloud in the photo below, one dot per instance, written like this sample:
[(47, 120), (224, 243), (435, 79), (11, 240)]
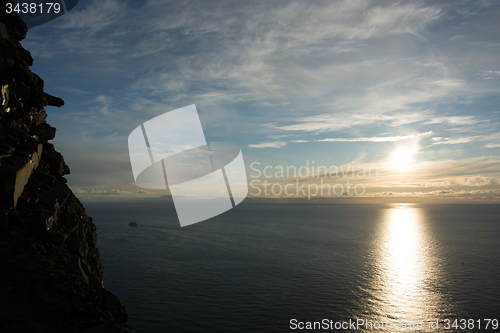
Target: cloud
[(90, 191), (357, 118), (456, 37), (114, 191), (466, 139), (475, 195), (401, 118), (377, 139), (473, 181), (74, 90), (453, 141), (445, 183), (454, 120), (96, 163), (96, 16), (274, 144), (440, 192), (488, 75), (356, 20), (326, 123), (96, 191)]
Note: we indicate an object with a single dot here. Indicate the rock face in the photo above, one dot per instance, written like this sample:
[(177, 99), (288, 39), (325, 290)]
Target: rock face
[(51, 276)]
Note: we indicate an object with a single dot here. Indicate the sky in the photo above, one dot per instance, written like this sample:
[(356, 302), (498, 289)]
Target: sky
[(407, 90)]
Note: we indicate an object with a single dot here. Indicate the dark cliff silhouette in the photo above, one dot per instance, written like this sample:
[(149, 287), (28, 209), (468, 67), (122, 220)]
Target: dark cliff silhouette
[(52, 277)]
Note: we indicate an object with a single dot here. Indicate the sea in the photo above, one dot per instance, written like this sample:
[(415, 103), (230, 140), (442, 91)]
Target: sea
[(281, 267)]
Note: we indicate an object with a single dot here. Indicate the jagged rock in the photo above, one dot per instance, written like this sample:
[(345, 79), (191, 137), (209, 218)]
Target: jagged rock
[(59, 193), (54, 101), (26, 56), (6, 151), (55, 160), (52, 275), (14, 178), (4, 221), (45, 132), (54, 236), (115, 306)]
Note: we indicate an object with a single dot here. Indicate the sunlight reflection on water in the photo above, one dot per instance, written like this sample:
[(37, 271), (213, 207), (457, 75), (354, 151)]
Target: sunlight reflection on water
[(407, 269)]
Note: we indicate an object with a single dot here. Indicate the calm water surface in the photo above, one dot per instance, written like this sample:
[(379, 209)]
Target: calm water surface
[(258, 266)]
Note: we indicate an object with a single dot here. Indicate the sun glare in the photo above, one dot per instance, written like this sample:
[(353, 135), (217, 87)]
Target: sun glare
[(402, 157)]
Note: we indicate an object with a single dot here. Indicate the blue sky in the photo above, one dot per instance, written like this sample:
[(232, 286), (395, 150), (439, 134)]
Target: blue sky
[(410, 88)]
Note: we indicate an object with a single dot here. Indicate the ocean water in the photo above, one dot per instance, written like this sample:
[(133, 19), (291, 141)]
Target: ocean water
[(274, 267)]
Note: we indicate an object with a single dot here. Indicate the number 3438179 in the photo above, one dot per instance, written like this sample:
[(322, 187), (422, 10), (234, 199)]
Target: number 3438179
[(33, 8), (462, 324)]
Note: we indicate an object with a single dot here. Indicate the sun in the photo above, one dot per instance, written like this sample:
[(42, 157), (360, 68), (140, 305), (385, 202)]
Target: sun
[(402, 157)]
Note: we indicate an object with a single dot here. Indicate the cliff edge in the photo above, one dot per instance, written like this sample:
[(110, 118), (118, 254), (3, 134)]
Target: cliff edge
[(52, 277)]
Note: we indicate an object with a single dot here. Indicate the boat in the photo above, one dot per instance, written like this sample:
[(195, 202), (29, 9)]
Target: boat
[(133, 224)]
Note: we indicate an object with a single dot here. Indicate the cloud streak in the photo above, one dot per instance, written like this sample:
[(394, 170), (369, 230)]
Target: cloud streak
[(274, 144), (377, 139)]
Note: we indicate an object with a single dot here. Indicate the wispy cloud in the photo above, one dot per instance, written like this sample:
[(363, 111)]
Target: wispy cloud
[(96, 191), (453, 141), (444, 183), (453, 120), (74, 90), (95, 17), (274, 144), (473, 181), (451, 195), (488, 75), (377, 139), (327, 122)]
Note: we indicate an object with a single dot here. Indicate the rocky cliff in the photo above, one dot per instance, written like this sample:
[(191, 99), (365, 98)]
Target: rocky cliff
[(51, 276)]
